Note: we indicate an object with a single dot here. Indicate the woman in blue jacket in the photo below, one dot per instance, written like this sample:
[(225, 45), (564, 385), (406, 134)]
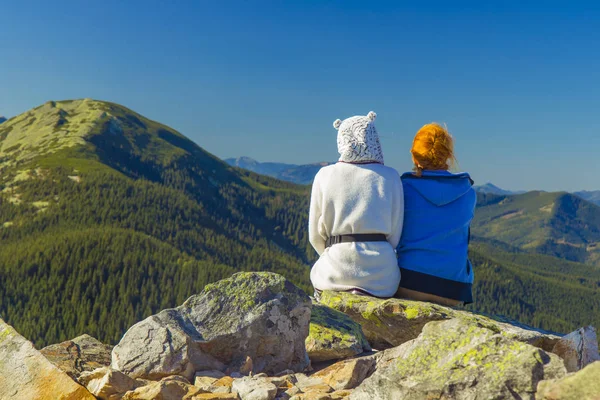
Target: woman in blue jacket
[(438, 209)]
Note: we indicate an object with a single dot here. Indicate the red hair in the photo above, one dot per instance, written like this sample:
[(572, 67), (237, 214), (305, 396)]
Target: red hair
[(433, 149)]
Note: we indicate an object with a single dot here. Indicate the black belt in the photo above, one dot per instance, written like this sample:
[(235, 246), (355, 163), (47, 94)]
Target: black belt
[(358, 237)]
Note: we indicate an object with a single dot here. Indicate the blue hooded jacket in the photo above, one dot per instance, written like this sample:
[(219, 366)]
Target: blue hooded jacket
[(432, 254)]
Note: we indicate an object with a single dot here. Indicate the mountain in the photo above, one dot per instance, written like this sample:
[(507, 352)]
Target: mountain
[(591, 196), (267, 168), (558, 224), (2, 119), (490, 188), (107, 217), (300, 174)]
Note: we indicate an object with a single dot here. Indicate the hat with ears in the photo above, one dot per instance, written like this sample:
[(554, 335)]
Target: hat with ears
[(358, 140)]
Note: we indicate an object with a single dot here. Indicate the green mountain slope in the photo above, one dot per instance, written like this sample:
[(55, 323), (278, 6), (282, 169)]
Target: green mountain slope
[(542, 291), (99, 203), (558, 224)]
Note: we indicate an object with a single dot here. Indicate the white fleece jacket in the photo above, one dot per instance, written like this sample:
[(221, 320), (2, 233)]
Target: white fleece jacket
[(356, 198)]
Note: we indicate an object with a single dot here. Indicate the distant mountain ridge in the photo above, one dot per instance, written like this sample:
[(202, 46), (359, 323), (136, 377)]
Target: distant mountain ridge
[(493, 189), (2, 119), (299, 174), (591, 196)]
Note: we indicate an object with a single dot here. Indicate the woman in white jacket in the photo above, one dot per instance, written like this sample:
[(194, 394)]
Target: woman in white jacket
[(356, 214)]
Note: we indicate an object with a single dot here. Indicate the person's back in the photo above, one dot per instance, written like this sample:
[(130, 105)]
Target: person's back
[(361, 199), (438, 209)]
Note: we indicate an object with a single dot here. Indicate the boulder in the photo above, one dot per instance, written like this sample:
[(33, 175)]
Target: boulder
[(333, 335), (582, 385), (392, 322), (169, 388), (256, 315), (84, 353), (26, 374), (578, 348), (108, 384), (386, 323), (458, 359), (252, 388), (347, 374)]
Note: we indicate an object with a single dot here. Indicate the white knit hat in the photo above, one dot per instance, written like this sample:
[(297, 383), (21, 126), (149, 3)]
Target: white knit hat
[(358, 140)]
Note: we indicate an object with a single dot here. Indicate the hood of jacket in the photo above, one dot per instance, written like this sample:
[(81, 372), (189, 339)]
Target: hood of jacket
[(439, 187)]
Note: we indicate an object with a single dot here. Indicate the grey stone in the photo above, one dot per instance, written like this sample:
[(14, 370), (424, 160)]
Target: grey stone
[(458, 359), (390, 322), (251, 388), (581, 385), (333, 335), (252, 314), (578, 348)]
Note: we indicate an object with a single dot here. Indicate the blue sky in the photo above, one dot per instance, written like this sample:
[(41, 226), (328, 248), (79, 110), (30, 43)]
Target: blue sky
[(517, 83)]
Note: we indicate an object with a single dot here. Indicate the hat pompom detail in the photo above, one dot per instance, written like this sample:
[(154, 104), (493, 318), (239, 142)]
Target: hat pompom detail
[(371, 115), (337, 123)]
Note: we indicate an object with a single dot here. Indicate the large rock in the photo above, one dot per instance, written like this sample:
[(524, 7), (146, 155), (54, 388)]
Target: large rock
[(256, 315), (386, 323), (457, 359), (333, 335), (26, 374), (578, 348), (582, 385), (84, 353), (391, 322)]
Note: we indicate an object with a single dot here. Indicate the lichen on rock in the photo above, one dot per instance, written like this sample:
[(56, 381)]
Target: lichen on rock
[(581, 385), (333, 335), (391, 322), (256, 315), (460, 360)]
